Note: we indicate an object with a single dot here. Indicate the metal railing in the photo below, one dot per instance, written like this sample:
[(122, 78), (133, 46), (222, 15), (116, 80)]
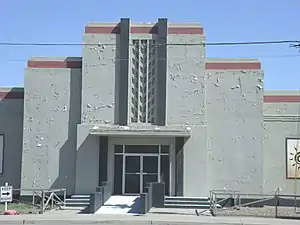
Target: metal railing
[(45, 199), (51, 200), (279, 201), (219, 198), (279, 205)]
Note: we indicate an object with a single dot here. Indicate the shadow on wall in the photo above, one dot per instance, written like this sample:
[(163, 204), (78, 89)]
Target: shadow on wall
[(179, 149), (67, 153), (11, 126), (117, 82)]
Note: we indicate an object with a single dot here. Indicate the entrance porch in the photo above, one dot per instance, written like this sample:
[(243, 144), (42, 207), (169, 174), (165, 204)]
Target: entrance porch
[(130, 159)]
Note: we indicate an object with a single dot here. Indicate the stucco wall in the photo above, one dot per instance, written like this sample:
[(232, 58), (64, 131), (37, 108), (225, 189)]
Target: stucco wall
[(185, 79), (87, 161), (100, 99), (195, 179), (281, 121), (99, 67), (186, 93), (51, 114), (235, 127), (11, 125)]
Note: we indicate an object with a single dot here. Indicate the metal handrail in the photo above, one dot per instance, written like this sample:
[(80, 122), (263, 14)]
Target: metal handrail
[(37, 192), (53, 198), (237, 196), (214, 202), (46, 196), (39, 189)]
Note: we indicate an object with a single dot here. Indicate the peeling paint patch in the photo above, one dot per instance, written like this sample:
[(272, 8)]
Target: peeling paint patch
[(235, 87), (259, 87)]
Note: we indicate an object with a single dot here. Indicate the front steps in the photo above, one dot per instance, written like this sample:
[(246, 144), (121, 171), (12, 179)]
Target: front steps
[(187, 202), (81, 202), (77, 202)]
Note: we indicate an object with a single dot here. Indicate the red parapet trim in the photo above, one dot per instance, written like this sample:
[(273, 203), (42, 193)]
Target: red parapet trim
[(185, 30), (171, 30), (54, 64), (11, 95), (281, 98), (102, 30), (232, 66), (143, 30)]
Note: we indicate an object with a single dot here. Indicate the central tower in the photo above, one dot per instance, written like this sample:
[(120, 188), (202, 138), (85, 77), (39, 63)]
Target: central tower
[(147, 73), (131, 59), (124, 73)]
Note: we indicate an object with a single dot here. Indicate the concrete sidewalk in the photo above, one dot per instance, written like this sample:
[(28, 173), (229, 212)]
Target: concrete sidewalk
[(66, 218)]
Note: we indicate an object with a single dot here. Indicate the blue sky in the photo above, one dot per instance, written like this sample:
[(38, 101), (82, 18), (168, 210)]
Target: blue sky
[(223, 21)]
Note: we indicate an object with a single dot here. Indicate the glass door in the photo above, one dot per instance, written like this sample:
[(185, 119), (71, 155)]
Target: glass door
[(132, 175), (137, 165), (139, 171), (149, 171)]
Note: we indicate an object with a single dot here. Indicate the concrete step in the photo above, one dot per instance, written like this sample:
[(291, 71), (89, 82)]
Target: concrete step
[(183, 198), (75, 200), (80, 197), (188, 202), (184, 202), (77, 204), (72, 208), (186, 206)]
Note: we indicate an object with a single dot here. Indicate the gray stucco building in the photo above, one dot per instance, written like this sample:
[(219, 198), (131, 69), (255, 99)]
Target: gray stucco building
[(142, 104)]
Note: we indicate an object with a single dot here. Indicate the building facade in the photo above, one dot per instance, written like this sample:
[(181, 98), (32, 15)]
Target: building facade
[(144, 104)]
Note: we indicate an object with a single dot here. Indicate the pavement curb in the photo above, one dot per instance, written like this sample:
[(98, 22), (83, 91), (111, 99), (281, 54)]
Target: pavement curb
[(145, 221), (140, 222)]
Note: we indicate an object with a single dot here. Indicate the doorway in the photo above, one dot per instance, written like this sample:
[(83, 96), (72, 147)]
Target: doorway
[(137, 165), (139, 170)]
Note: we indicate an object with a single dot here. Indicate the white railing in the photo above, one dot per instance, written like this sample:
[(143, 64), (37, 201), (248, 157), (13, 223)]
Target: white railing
[(46, 199)]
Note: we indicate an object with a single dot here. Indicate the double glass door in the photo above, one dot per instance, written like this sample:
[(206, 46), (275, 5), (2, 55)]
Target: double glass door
[(139, 170)]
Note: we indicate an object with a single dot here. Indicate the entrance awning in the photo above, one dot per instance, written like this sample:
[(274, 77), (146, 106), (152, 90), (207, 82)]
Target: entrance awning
[(140, 131)]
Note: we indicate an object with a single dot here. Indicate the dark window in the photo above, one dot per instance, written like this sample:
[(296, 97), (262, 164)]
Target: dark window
[(165, 172), (164, 149), (132, 183), (118, 148), (150, 164), (133, 164), (141, 149), (118, 174)]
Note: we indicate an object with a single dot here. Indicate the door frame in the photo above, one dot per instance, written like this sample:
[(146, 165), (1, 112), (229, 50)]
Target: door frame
[(142, 141), (141, 173)]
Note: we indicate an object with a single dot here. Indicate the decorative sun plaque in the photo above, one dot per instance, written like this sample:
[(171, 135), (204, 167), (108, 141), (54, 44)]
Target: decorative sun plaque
[(293, 158)]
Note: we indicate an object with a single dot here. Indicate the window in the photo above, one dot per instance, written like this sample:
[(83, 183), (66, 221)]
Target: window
[(1, 152)]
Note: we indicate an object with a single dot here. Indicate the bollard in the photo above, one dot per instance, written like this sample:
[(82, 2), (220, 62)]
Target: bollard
[(157, 195)]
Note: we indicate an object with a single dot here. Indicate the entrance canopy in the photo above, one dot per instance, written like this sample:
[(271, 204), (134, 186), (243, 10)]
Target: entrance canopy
[(152, 131)]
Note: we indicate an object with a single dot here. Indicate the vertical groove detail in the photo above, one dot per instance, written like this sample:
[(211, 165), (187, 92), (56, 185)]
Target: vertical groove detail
[(143, 81), (135, 82), (152, 82)]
